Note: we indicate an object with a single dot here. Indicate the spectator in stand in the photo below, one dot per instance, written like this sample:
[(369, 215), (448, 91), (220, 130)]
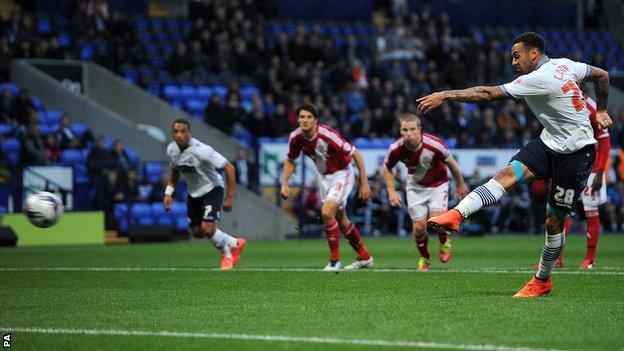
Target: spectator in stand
[(180, 63), (215, 114), (113, 193), (5, 106), (133, 193), (21, 105), (119, 159), (65, 137), (33, 152), (52, 149), (97, 16), (246, 170), (14, 29), (98, 160)]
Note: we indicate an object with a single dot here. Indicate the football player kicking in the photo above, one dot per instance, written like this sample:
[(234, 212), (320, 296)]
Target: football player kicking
[(564, 152), (332, 156), (198, 164), (428, 160)]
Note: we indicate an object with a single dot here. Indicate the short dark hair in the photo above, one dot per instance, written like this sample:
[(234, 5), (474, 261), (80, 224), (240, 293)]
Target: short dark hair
[(308, 107), (182, 121), (531, 40)]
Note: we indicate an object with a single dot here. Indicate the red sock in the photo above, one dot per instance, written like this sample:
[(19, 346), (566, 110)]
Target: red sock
[(593, 230), (355, 240), (421, 245), (332, 233)]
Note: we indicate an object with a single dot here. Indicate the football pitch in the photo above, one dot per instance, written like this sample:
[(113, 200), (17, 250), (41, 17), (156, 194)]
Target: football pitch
[(171, 296)]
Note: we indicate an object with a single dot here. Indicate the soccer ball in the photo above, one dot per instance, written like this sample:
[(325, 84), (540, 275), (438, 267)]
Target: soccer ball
[(43, 209)]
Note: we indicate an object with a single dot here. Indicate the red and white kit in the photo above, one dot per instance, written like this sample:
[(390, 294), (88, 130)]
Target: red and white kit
[(332, 155), (591, 202), (427, 181)]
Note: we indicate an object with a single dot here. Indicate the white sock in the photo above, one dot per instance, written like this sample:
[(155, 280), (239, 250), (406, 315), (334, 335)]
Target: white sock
[(483, 195), (551, 251), (223, 242)]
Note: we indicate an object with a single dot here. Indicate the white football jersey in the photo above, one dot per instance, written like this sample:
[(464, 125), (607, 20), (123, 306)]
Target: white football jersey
[(552, 91), (198, 165)]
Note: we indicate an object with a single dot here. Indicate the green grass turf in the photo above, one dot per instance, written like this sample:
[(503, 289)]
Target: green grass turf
[(470, 308)]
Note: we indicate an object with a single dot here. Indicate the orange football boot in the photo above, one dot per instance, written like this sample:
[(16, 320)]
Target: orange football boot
[(446, 223), (236, 252), (227, 263), (535, 288)]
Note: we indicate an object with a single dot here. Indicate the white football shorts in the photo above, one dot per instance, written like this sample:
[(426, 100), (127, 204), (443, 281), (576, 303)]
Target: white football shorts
[(337, 186), (591, 202), (422, 200)]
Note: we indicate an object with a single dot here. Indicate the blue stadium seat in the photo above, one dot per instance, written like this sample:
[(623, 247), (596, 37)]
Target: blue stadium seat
[(152, 172), (187, 25), (72, 156), (204, 92), (172, 25), (171, 91), (133, 156), (86, 51), (37, 102), (12, 149), (78, 129), (177, 104), (162, 216), (54, 127), (54, 116), (42, 117), (120, 211), (5, 129), (64, 39), (181, 222), (131, 76), (44, 25), (188, 91), (141, 214), (166, 49), (162, 37), (11, 87), (196, 105), (145, 36), (44, 129), (178, 208), (220, 90), (250, 90), (61, 22), (141, 23)]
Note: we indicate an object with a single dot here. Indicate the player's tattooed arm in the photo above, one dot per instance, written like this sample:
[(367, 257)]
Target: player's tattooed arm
[(474, 94), (600, 78)]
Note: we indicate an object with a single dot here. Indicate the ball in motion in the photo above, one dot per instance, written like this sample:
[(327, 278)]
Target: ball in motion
[(43, 209)]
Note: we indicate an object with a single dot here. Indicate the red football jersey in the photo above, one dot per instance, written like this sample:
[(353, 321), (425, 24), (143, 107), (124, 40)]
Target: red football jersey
[(327, 148), (603, 148), (426, 164)]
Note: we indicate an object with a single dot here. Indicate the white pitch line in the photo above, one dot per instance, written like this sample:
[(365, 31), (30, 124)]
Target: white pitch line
[(273, 338), (287, 269)]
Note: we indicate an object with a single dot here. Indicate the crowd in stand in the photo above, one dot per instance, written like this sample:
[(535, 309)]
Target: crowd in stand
[(361, 86)]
